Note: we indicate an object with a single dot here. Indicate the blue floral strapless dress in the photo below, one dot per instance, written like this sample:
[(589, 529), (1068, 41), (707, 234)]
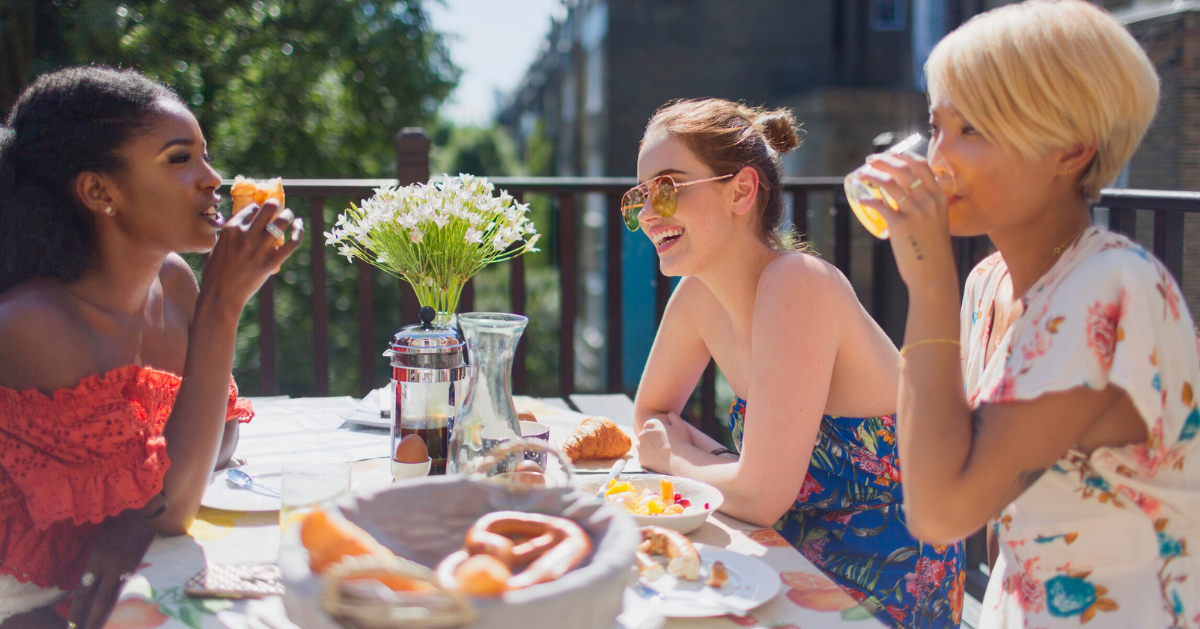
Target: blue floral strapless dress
[(847, 520)]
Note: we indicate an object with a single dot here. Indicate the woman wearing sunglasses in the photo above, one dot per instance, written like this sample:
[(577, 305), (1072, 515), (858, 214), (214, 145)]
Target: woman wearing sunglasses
[(1066, 419), (815, 377)]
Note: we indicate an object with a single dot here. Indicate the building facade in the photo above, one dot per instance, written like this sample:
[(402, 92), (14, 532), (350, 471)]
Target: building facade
[(849, 69)]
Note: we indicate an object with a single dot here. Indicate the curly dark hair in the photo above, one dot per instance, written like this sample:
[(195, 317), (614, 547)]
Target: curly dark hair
[(65, 123)]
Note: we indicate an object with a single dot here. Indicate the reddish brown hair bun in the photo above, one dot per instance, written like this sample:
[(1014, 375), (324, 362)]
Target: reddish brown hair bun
[(728, 137)]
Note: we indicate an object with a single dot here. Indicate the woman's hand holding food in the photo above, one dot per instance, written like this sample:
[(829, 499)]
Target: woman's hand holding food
[(659, 438), (248, 251), (919, 226)]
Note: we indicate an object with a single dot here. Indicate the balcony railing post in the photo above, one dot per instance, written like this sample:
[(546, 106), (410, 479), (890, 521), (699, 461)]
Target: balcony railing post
[(708, 400), (366, 328), (1168, 241), (800, 213), (412, 166), (412, 156), (1123, 222), (320, 301), (568, 278), (841, 234), (516, 296), (266, 337)]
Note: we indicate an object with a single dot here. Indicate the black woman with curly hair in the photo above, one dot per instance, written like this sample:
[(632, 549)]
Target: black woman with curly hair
[(115, 388)]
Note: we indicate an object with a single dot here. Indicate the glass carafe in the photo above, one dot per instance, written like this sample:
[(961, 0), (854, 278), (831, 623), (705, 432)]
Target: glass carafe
[(488, 417)]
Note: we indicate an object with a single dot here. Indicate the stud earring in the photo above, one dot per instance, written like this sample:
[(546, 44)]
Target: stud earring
[(109, 211)]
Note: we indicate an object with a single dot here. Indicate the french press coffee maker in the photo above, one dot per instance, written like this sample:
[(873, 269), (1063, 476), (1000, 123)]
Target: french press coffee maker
[(429, 375)]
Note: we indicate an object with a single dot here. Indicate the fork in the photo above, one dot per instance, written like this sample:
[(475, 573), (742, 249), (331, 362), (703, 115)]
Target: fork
[(652, 595)]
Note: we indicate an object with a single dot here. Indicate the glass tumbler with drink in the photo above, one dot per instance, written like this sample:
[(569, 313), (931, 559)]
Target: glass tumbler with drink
[(307, 485), (858, 190)]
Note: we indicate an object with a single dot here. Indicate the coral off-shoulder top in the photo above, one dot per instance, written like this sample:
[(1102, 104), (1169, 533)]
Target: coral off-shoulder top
[(70, 460)]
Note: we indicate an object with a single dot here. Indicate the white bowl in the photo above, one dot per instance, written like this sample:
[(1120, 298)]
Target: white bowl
[(401, 471), (697, 492)]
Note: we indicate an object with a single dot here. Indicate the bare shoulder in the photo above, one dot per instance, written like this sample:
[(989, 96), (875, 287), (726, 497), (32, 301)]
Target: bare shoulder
[(180, 288), (178, 280), (43, 342), (803, 277), (691, 301)]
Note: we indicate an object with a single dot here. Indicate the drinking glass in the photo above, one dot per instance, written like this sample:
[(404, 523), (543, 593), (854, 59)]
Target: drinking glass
[(307, 485), (858, 190)]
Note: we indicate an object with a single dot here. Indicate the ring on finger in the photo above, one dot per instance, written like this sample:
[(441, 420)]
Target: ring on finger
[(276, 232), (916, 184), (88, 579), (124, 577), (900, 200)]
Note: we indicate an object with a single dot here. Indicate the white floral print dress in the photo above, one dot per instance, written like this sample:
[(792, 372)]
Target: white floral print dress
[(1101, 540)]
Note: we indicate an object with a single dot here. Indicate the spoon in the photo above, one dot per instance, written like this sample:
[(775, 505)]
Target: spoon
[(612, 475), (246, 481), (655, 595)]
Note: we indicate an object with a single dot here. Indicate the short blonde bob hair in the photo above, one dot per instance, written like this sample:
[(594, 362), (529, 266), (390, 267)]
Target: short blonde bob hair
[(1049, 74)]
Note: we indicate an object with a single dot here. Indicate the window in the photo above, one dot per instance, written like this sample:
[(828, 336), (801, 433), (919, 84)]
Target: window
[(888, 15)]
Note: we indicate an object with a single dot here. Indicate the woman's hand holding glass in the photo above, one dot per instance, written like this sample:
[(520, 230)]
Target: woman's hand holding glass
[(247, 252), (918, 223)]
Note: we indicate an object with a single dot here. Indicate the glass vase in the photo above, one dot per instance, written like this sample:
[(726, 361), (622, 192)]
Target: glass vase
[(488, 416)]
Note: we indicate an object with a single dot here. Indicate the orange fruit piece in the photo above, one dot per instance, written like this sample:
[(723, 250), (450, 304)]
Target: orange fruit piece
[(483, 575), (666, 490), (331, 540)]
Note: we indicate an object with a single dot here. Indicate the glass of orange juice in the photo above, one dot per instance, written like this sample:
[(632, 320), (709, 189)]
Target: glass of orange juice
[(858, 190), (307, 485)]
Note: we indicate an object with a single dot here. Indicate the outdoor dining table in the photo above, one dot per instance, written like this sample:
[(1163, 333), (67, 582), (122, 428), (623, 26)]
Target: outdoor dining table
[(313, 430)]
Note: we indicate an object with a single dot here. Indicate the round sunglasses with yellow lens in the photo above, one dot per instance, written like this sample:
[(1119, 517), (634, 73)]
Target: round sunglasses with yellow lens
[(662, 191)]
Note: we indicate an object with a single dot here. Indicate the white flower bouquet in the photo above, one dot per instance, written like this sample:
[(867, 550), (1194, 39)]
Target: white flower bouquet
[(435, 236)]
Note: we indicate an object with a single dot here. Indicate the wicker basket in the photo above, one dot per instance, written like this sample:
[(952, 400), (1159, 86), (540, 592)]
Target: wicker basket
[(427, 519)]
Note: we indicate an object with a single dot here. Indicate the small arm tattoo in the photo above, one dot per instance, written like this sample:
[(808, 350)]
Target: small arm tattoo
[(916, 248), (1024, 480)]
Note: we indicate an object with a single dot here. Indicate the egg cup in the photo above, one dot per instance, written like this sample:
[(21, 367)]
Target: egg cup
[(401, 471)]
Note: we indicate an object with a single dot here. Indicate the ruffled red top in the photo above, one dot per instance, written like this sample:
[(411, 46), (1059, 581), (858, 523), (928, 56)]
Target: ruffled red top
[(70, 460)]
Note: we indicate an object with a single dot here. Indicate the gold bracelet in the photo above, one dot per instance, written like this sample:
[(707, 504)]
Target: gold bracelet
[(914, 344)]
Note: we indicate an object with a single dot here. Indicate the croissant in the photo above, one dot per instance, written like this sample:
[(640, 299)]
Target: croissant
[(596, 438)]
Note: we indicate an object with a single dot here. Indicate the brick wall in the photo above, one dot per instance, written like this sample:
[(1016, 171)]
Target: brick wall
[(1169, 158)]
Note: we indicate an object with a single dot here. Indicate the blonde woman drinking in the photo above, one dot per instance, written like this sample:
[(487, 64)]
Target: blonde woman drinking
[(1066, 418)]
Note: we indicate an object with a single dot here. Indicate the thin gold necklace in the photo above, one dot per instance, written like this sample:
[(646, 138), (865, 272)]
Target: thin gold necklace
[(1057, 251)]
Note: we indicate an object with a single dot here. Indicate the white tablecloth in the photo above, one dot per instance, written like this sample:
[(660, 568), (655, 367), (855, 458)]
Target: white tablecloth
[(309, 429)]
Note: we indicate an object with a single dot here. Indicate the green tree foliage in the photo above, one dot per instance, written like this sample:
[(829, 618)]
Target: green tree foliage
[(298, 88), (487, 152), (293, 88)]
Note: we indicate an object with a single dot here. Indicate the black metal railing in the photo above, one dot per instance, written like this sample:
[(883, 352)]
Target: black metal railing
[(1168, 208)]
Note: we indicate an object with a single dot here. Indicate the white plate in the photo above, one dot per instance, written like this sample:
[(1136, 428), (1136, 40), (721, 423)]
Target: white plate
[(368, 411), (222, 494), (751, 583), (697, 492)]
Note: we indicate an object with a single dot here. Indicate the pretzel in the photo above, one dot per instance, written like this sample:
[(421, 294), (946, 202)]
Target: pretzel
[(684, 560), (547, 547)]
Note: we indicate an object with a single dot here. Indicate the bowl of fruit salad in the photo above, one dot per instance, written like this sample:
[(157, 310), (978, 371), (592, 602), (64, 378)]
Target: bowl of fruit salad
[(678, 503)]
